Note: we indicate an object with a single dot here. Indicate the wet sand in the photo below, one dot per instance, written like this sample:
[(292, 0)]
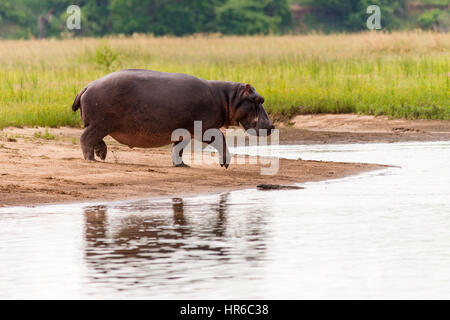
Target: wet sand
[(37, 170), (351, 128)]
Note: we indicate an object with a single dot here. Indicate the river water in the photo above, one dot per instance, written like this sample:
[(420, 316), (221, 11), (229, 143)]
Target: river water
[(383, 234)]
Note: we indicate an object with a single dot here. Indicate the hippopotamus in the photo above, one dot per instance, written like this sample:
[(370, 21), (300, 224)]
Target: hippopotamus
[(141, 108)]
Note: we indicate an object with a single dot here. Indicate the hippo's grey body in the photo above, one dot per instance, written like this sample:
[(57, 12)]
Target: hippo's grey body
[(141, 108)]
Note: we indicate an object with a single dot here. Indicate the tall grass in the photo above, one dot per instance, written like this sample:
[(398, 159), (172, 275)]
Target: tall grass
[(398, 74)]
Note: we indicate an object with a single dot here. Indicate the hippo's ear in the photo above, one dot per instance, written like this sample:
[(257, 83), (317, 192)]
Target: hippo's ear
[(247, 90)]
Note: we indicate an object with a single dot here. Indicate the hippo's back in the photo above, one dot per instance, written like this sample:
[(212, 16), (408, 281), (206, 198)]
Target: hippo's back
[(151, 76), (145, 83)]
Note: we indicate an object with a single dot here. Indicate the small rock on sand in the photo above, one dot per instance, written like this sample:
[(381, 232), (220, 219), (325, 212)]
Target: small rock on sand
[(276, 187)]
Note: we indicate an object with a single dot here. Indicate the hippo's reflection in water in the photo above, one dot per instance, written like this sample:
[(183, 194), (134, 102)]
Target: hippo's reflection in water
[(147, 242)]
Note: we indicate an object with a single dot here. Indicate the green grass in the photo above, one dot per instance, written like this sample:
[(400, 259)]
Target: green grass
[(398, 74), (46, 135)]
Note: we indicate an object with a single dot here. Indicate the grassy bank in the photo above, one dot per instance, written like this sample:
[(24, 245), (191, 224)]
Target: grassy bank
[(399, 74)]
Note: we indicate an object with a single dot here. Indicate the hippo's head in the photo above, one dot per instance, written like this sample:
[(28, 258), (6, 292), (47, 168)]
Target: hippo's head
[(249, 111)]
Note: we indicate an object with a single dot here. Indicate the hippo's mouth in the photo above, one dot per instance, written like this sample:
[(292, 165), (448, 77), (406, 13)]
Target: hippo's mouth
[(256, 130)]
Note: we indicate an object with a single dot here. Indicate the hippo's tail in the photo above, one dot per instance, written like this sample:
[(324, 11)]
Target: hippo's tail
[(77, 103)]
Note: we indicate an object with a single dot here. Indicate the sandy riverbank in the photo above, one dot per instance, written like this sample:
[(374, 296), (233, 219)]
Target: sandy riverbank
[(38, 170), (350, 128)]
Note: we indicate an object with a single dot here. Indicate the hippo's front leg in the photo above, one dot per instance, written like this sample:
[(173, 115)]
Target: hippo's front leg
[(217, 140), (225, 157)]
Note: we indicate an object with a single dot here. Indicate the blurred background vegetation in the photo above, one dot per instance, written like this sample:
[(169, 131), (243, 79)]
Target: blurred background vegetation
[(303, 56), (19, 18)]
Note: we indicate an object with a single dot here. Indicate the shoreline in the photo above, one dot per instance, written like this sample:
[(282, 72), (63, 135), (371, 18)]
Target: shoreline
[(21, 199), (99, 201), (41, 166)]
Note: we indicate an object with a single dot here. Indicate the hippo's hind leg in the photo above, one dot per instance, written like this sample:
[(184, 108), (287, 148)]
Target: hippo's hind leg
[(177, 153), (92, 140), (101, 150)]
